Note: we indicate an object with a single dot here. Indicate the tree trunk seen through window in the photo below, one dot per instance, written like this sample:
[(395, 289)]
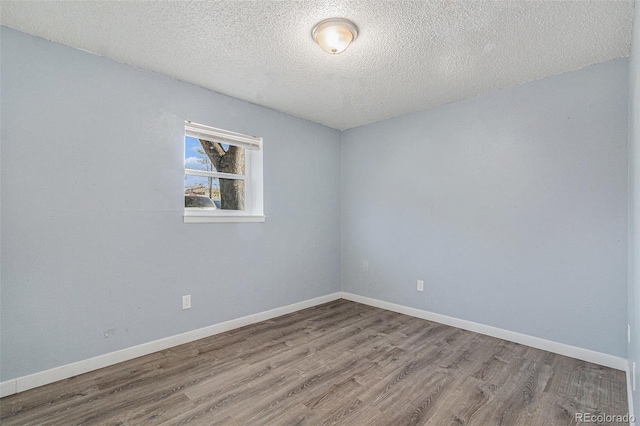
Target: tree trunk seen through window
[(229, 161)]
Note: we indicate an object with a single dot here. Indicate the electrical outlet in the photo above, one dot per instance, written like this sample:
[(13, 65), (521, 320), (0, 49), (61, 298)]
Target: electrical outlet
[(365, 266), (420, 285), (186, 302)]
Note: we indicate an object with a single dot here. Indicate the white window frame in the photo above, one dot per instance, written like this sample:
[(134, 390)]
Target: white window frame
[(253, 206)]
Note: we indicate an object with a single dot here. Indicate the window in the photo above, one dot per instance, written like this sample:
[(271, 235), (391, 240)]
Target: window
[(222, 175)]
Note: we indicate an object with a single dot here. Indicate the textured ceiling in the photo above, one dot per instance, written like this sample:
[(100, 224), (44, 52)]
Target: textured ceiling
[(409, 55)]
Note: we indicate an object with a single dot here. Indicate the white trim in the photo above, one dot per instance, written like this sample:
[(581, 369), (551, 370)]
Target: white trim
[(221, 218), (216, 175), (41, 378), (547, 345), (630, 394), (8, 388), (212, 134)]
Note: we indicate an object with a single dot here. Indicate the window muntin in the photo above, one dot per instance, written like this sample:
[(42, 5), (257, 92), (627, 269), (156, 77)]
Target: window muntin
[(225, 167)]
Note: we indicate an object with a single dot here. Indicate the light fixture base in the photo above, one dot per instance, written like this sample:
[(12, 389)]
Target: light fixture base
[(334, 34)]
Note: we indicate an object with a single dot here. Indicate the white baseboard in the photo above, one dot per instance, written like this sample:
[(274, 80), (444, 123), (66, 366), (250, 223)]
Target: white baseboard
[(41, 378), (630, 394), (8, 388), (547, 345)]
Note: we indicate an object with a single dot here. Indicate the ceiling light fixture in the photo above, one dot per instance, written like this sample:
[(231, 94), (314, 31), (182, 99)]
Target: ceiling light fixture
[(335, 34)]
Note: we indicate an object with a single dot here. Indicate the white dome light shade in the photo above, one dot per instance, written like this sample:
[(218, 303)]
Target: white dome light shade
[(334, 35)]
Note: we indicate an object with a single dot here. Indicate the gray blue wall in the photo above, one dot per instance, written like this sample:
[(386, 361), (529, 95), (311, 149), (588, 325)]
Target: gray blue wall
[(511, 206), (634, 207), (92, 231)]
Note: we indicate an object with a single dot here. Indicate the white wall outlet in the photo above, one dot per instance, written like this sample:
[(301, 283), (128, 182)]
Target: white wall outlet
[(186, 302), (628, 333), (365, 266), (420, 285)]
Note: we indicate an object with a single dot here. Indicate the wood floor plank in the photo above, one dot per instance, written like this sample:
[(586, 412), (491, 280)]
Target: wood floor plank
[(356, 412), (464, 403), (341, 363)]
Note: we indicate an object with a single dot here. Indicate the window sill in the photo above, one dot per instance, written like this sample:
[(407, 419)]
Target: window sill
[(221, 218)]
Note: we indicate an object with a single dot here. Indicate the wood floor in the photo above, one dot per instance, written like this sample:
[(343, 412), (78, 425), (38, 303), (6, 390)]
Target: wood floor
[(338, 363)]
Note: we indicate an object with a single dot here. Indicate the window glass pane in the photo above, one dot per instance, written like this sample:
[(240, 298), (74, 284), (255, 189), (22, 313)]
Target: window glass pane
[(195, 157), (199, 202), (225, 194), (213, 157)]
